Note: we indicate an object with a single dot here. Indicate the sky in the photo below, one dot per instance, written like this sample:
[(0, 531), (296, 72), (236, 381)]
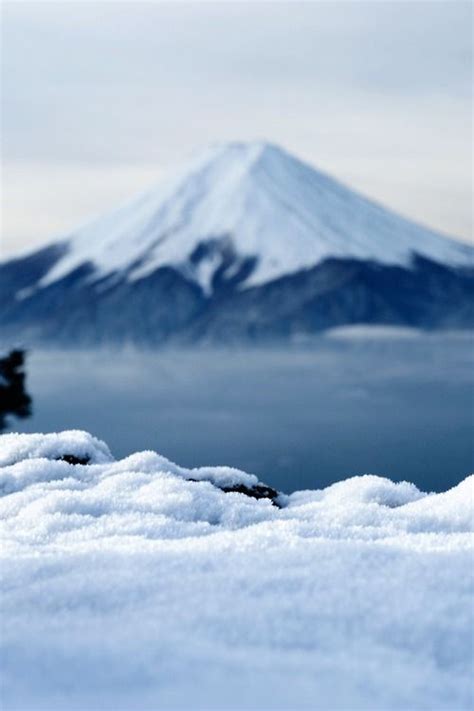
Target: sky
[(100, 99)]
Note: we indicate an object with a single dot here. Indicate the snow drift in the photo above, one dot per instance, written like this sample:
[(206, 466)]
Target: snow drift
[(140, 584)]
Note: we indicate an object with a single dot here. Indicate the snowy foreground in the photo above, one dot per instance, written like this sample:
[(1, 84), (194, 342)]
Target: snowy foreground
[(127, 586)]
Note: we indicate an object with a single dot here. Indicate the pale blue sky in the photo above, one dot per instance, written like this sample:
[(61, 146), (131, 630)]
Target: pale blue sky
[(99, 98)]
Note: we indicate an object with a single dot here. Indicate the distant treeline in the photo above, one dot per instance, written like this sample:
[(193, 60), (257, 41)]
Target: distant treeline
[(14, 399)]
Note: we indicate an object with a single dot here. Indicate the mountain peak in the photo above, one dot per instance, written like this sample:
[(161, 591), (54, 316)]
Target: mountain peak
[(242, 203), (242, 156), (243, 150)]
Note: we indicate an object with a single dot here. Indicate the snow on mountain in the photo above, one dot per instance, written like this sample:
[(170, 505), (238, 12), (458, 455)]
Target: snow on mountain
[(141, 584), (248, 204)]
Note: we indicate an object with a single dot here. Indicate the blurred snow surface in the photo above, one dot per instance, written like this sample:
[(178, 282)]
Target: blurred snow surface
[(126, 586)]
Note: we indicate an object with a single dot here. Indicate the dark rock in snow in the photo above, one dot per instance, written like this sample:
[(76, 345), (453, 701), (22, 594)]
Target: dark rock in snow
[(257, 491), (72, 459)]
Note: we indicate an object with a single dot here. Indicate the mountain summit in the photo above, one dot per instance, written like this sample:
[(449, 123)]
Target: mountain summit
[(238, 219)]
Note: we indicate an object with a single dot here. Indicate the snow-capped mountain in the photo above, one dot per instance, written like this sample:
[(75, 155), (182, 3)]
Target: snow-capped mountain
[(238, 226), (256, 202)]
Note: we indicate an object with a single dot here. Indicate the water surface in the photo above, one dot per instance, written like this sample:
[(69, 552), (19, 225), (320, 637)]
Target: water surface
[(300, 417)]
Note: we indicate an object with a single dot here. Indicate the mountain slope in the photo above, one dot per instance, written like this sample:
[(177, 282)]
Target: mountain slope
[(244, 240)]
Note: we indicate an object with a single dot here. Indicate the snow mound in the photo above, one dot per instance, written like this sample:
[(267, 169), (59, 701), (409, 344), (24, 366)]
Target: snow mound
[(18, 447), (372, 489), (139, 584)]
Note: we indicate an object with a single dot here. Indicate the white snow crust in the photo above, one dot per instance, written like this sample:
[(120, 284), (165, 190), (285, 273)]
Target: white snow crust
[(262, 203), (126, 586)]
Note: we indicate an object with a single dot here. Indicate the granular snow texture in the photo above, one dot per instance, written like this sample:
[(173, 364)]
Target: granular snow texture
[(126, 586)]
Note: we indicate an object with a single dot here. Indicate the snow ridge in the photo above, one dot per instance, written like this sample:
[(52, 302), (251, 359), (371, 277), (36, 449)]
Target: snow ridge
[(140, 584)]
